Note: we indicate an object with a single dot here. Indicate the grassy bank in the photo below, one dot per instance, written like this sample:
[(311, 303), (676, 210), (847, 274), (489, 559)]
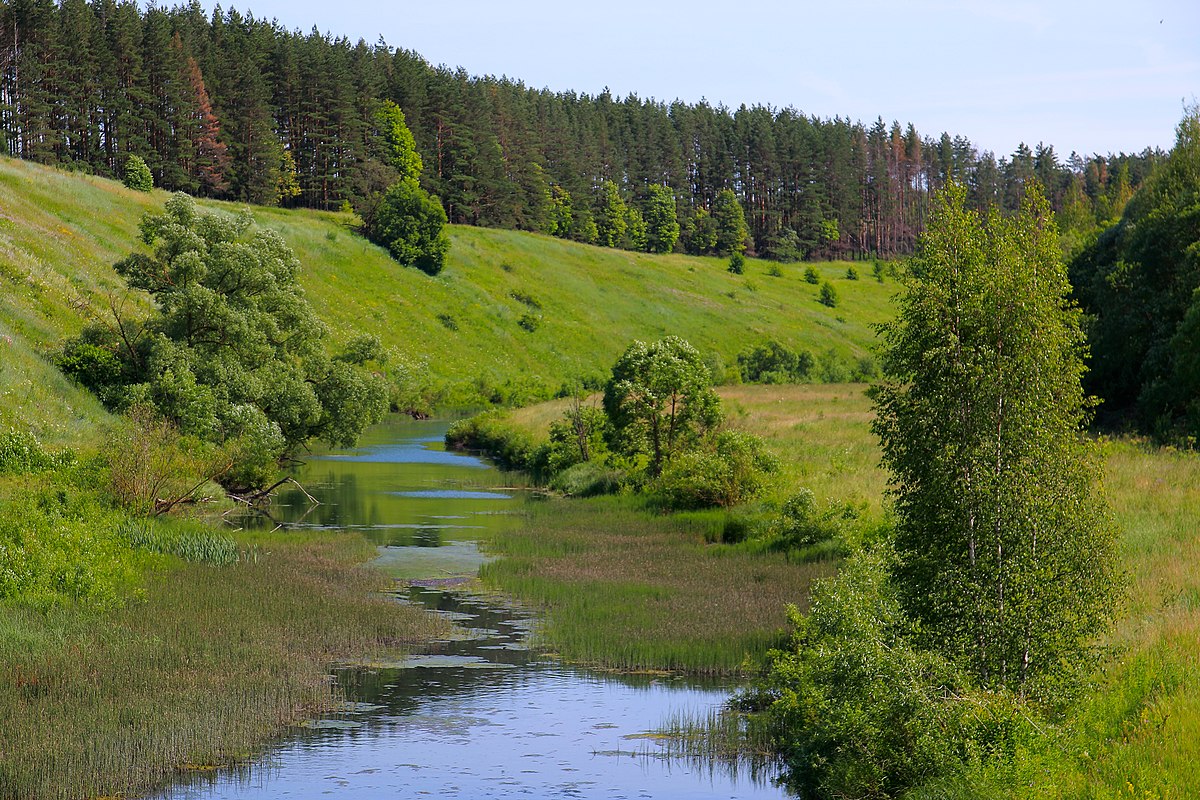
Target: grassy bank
[(624, 588), (202, 668), (512, 317)]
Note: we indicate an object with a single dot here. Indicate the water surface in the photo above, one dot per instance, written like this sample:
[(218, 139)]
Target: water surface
[(479, 716)]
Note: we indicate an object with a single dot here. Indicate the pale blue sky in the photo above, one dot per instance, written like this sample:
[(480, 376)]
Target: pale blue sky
[(1085, 75)]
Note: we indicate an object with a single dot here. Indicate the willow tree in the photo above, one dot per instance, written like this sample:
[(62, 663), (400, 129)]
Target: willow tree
[(1004, 543)]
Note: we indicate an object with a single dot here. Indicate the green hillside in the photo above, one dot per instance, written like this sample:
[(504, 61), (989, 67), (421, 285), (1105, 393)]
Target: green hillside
[(462, 330)]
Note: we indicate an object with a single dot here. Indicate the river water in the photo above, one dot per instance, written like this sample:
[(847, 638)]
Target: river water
[(480, 715)]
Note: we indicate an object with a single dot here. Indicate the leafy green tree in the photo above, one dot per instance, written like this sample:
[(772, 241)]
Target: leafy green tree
[(636, 236), (561, 215), (137, 174), (401, 146), (662, 224), (811, 276), (732, 230), (737, 263), (612, 217), (234, 353), (411, 224), (1004, 545), (660, 401)]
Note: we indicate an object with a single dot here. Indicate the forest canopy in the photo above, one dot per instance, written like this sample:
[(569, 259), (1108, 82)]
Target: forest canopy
[(231, 106)]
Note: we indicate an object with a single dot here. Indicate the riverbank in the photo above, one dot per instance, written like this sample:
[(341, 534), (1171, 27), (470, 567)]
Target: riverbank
[(1131, 731), (200, 668), (623, 587)]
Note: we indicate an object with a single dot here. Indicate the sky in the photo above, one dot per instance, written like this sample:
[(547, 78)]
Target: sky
[(1090, 76)]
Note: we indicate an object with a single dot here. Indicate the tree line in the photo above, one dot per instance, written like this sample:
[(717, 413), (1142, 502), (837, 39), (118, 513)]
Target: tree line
[(232, 106)]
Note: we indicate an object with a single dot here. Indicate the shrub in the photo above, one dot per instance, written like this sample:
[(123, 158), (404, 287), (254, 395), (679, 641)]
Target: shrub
[(731, 470), (737, 263), (800, 524), (829, 295), (530, 322), (588, 479), (137, 174), (856, 710), (774, 271), (448, 322), (773, 362), (411, 224), (851, 274), (810, 275), (510, 448), (877, 270)]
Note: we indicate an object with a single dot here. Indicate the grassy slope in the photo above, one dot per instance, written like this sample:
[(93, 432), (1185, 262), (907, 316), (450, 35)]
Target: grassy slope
[(60, 234)]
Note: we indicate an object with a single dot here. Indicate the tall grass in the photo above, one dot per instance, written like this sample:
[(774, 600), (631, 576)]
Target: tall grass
[(207, 665), (623, 589)]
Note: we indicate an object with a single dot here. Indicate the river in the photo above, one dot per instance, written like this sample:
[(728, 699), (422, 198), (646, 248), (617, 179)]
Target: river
[(481, 715)]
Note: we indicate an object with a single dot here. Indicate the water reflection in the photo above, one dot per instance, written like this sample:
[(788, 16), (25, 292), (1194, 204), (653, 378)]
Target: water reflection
[(481, 715)]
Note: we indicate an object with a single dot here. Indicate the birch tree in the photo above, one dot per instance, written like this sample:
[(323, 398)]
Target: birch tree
[(1004, 543)]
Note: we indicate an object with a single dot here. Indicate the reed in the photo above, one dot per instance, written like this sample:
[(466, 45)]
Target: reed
[(204, 667)]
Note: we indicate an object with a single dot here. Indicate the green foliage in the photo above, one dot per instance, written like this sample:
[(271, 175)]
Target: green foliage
[(529, 322), (660, 401), (662, 224), (828, 295), (401, 146), (579, 436), (57, 547), (588, 479), (856, 710), (851, 274), (731, 229), (411, 223), (137, 174), (561, 219), (811, 276), (785, 246), (774, 271), (737, 263), (727, 470), (612, 216), (877, 270), (801, 524), (1139, 282), (772, 362), (700, 234), (636, 234), (511, 448), (21, 453), (1004, 543), (234, 353)]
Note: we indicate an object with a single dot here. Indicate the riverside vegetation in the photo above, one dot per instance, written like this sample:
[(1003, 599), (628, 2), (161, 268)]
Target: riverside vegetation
[(1127, 733)]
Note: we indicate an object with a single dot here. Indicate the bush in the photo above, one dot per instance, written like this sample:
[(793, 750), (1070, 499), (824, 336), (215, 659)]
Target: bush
[(411, 223), (137, 174), (856, 710), (737, 263), (800, 524), (810, 275), (509, 448), (57, 547), (851, 274), (732, 469), (773, 362), (588, 479), (530, 322)]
